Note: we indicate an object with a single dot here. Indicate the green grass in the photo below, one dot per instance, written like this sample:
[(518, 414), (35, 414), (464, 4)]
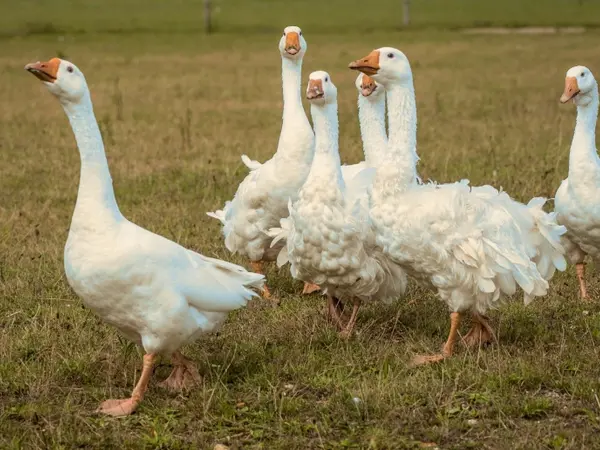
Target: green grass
[(31, 17), (176, 112)]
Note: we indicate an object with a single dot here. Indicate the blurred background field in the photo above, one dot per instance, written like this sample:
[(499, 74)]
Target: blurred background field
[(177, 108), (242, 16)]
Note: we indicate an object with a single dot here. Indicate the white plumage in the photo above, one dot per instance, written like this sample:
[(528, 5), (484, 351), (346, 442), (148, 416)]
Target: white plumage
[(262, 197), (371, 118), (470, 244), (577, 199), (157, 293), (329, 237), (543, 233)]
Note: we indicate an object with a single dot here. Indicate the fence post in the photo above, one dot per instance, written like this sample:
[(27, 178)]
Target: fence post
[(207, 16), (406, 12)]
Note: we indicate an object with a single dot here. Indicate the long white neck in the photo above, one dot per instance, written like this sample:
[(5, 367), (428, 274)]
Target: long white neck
[(297, 138), (402, 144), (96, 206), (397, 170), (326, 162), (584, 165), (371, 116)]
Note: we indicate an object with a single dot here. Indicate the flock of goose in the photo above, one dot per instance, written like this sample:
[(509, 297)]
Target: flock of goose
[(354, 232)]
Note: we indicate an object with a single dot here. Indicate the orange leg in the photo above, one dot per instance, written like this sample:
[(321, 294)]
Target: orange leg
[(309, 288), (347, 331), (581, 277), (126, 406), (184, 375), (481, 332), (335, 309), (258, 267), (448, 346)]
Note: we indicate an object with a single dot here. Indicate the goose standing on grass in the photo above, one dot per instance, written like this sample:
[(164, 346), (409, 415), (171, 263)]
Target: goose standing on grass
[(329, 239), (371, 105), (371, 115), (470, 244), (577, 199), (542, 233), (262, 198), (157, 293)]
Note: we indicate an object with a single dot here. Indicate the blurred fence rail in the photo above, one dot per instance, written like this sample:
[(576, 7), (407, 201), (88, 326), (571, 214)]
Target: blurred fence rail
[(29, 17)]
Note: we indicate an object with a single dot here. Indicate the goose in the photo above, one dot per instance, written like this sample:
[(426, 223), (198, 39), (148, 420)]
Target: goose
[(371, 113), (576, 200), (542, 231), (262, 197), (329, 239), (470, 244), (157, 293), (371, 106)]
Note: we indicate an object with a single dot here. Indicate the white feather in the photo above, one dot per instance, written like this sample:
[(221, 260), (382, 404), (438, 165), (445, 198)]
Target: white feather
[(262, 197), (331, 240), (251, 163)]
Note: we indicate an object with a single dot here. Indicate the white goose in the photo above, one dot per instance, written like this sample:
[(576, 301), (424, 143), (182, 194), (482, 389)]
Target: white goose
[(371, 107), (576, 200), (330, 241), (157, 293), (472, 245), (261, 199), (541, 230)]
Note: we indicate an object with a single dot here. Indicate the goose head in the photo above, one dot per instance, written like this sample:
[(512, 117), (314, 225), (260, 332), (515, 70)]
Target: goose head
[(320, 89), (580, 86), (385, 65), (292, 44), (368, 87), (62, 78)]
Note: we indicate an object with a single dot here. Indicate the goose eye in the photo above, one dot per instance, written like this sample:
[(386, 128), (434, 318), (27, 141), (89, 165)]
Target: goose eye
[(284, 33), (582, 74), (326, 79), (70, 69), (300, 33), (390, 55)]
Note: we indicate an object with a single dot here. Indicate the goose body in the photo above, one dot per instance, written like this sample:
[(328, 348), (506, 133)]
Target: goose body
[(470, 244), (262, 197), (157, 293), (330, 239), (576, 200)]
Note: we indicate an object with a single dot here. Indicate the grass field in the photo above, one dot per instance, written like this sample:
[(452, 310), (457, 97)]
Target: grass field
[(176, 111), (257, 16)]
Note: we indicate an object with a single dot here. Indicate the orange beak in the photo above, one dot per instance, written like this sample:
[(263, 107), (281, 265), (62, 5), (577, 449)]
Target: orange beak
[(45, 71), (367, 85), (292, 43), (571, 89), (369, 65), (315, 89)]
